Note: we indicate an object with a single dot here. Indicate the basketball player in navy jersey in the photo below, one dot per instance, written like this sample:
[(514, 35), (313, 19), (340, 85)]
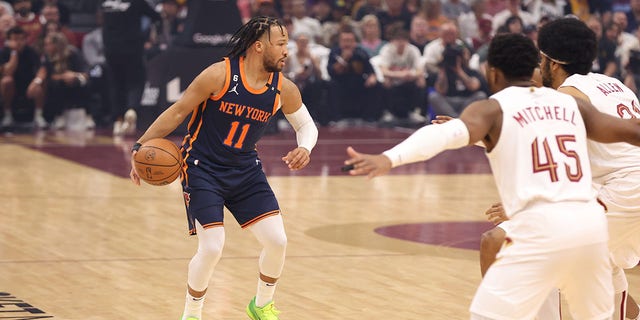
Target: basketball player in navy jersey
[(536, 142), (231, 103)]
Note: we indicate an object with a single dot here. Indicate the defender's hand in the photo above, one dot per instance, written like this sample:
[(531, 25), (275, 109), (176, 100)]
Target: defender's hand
[(441, 119), (367, 164)]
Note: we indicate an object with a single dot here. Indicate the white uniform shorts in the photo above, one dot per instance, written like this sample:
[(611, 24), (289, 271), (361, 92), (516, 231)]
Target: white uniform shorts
[(621, 196), (546, 255)]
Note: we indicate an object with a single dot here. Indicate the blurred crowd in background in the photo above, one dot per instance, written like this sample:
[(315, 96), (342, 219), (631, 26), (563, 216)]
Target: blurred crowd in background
[(376, 62)]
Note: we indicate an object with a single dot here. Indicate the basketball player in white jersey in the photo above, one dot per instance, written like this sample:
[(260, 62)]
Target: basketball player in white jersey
[(615, 167), (536, 142)]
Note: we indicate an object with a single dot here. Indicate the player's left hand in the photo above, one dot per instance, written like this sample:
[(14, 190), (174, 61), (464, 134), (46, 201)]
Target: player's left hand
[(440, 119), (496, 213), (372, 165), (297, 158)]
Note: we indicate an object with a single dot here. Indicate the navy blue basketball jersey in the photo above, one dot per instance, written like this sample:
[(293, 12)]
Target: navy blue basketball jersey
[(225, 128)]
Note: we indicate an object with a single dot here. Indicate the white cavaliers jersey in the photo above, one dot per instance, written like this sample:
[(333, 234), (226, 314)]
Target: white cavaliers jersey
[(612, 97), (541, 156)]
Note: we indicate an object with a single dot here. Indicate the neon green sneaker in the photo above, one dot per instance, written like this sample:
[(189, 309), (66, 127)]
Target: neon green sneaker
[(268, 312)]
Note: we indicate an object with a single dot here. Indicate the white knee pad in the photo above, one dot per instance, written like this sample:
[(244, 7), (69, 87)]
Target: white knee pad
[(201, 266), (270, 233)]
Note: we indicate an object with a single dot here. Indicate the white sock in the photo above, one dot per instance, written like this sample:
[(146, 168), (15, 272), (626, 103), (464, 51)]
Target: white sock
[(193, 307), (265, 293)]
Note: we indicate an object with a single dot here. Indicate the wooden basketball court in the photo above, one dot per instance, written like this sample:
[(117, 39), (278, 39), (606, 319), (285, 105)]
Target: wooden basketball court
[(78, 240)]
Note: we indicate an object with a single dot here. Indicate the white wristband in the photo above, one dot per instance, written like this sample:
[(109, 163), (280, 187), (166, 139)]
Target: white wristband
[(428, 141)]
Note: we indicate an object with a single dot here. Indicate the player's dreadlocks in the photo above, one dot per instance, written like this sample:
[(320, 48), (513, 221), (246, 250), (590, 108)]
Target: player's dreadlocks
[(249, 33), (514, 54)]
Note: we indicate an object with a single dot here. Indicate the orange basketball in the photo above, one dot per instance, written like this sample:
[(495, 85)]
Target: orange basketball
[(158, 162)]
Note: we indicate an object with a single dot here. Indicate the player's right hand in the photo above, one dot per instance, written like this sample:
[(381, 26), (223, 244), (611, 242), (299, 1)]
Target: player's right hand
[(496, 213), (133, 174), (371, 165)]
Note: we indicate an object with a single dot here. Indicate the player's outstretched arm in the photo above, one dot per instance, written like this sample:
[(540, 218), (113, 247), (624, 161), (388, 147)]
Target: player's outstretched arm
[(306, 132)]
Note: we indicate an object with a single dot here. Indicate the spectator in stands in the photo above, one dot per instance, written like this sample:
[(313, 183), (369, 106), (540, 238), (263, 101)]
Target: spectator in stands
[(605, 61), (513, 9), (404, 79), (513, 24), (303, 23), (99, 88), (531, 32), (432, 10), (369, 7), (164, 31), (303, 68), (48, 28), (632, 77), (413, 6), (6, 8), (633, 16), (353, 81), (50, 18), (456, 85), (483, 38), (396, 12), (419, 32), (433, 51), (452, 9), (331, 27), (626, 41), (66, 80), (322, 10), (469, 22), (124, 52), (545, 8), (63, 9), (609, 42), (371, 37), (7, 22), (27, 20), (266, 8), (19, 82), (584, 9), (495, 6)]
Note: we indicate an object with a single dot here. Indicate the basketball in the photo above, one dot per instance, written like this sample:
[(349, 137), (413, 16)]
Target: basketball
[(158, 162)]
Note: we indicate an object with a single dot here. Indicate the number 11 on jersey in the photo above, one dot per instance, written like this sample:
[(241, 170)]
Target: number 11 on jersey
[(232, 133)]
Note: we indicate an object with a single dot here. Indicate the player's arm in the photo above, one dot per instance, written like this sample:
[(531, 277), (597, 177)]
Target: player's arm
[(209, 81), (476, 122), (604, 128), (573, 91), (298, 116)]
